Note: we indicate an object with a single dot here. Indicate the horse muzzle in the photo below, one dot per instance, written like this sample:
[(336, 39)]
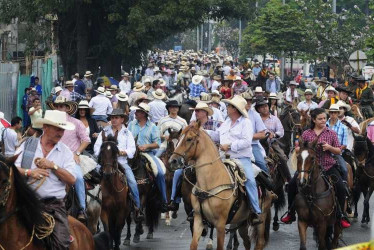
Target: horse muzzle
[(176, 163)]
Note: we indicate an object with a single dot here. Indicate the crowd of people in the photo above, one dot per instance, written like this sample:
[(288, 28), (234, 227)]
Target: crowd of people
[(238, 105)]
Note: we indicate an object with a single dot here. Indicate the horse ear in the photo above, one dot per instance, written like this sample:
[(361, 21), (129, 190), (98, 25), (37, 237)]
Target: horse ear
[(198, 124), (180, 132), (170, 131), (103, 135), (12, 160)]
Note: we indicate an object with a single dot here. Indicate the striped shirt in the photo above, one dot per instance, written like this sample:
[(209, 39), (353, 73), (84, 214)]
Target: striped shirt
[(341, 130), (145, 135)]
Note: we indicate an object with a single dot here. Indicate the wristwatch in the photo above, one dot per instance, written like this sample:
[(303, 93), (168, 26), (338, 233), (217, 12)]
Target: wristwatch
[(55, 167), (78, 153)]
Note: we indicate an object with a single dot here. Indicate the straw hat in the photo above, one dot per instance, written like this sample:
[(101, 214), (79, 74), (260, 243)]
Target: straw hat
[(55, 118), (125, 74), (323, 80), (100, 90), (217, 78), (273, 96), (238, 78), (84, 105), (162, 82), (113, 87), (117, 112), (69, 84), (331, 88), (138, 87), (108, 94), (215, 99), (88, 73), (334, 108), (58, 89), (344, 105), (259, 90), (216, 93), (239, 103), (142, 106), (159, 94), (247, 95), (121, 96), (196, 79), (203, 106), (71, 106), (293, 83), (204, 97)]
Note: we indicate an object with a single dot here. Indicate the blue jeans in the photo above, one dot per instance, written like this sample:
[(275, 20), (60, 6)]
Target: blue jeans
[(343, 167), (160, 178), (132, 183), (100, 118), (259, 158), (79, 187), (160, 151), (250, 184), (176, 179)]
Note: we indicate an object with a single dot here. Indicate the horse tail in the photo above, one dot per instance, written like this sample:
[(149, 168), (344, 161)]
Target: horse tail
[(153, 207)]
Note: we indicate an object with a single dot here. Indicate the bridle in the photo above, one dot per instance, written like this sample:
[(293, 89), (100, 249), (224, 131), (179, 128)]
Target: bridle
[(194, 142), (293, 123)]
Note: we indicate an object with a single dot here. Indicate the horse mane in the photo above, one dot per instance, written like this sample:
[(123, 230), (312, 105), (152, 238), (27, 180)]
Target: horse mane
[(29, 206)]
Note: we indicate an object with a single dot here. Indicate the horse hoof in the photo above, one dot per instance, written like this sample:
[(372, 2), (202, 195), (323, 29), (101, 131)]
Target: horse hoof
[(209, 246), (150, 236), (174, 215), (276, 227), (126, 242), (136, 239), (168, 222)]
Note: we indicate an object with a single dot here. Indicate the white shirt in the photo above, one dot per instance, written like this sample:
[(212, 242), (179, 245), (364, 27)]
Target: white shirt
[(36, 115), (125, 86), (60, 155), (239, 136), (215, 85), (350, 138), (288, 95), (226, 70), (217, 115), (125, 141), (305, 106), (10, 142), (157, 110), (101, 104), (149, 72)]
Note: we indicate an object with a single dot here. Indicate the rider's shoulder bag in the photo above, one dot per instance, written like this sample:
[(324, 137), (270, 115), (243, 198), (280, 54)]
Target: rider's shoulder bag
[(31, 145)]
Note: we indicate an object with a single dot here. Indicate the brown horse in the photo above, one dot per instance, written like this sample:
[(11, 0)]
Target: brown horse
[(305, 119), (115, 201), (315, 202), (171, 145), (21, 214), (211, 174), (357, 113)]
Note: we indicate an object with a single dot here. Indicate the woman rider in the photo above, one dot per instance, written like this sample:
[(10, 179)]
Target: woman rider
[(328, 145)]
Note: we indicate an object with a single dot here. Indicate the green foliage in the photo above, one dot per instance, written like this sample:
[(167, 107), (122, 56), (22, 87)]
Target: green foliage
[(227, 37)]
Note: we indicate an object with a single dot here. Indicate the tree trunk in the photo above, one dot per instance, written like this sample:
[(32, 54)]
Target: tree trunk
[(82, 38), (111, 66), (291, 67)]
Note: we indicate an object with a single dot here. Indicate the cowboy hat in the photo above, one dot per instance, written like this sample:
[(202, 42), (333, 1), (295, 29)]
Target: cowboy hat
[(84, 105), (215, 99), (331, 88), (259, 90), (125, 74), (113, 87), (76, 75), (247, 95), (308, 91), (100, 90), (216, 93), (239, 103), (121, 96), (203, 106), (159, 94), (162, 82), (273, 96), (323, 79), (293, 83), (138, 87), (344, 105), (88, 73), (55, 118), (334, 108), (142, 107), (172, 103), (217, 78), (359, 78), (204, 97), (147, 80), (238, 78), (196, 79), (343, 89), (69, 84), (108, 94), (72, 106), (259, 100), (117, 112), (58, 89)]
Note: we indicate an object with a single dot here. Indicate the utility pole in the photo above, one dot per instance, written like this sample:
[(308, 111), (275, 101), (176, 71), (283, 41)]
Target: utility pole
[(333, 6), (209, 36), (202, 37)]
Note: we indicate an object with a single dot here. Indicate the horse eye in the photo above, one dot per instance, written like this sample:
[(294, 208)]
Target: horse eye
[(189, 139)]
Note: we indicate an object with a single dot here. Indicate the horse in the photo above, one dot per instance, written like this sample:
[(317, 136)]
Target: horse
[(171, 144), (115, 200), (93, 200), (212, 175), (315, 202), (150, 197), (290, 119), (364, 181), (305, 119), (185, 110), (22, 218)]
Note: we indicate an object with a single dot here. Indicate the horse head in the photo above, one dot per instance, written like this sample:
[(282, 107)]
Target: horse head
[(304, 119), (361, 147), (306, 160), (108, 157), (173, 139)]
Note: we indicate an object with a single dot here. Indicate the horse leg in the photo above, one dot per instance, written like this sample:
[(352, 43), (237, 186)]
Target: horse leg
[(231, 238), (150, 232), (105, 221), (275, 220), (197, 230), (117, 237), (356, 197), (167, 219), (302, 226), (321, 233), (260, 233), (236, 241), (337, 232), (366, 205), (174, 215), (126, 242), (221, 235), (209, 246), (243, 231), (138, 232)]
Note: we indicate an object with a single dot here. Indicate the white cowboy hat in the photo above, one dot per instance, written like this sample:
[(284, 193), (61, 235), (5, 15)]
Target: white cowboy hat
[(247, 95), (273, 96), (238, 78), (125, 74), (159, 94), (138, 87), (216, 93), (88, 73), (162, 82), (308, 91), (100, 90), (204, 97), (259, 90), (203, 106), (57, 89), (239, 103), (344, 105), (113, 87), (215, 99), (55, 118), (331, 88), (293, 83), (108, 94), (334, 108), (142, 106), (84, 105), (69, 84), (147, 80), (196, 79), (121, 96), (76, 75)]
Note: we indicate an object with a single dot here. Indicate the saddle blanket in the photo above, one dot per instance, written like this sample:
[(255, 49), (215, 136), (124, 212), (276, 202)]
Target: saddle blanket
[(236, 162), (153, 164), (87, 164)]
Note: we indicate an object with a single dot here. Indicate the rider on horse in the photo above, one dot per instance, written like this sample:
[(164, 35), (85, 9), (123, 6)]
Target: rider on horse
[(364, 96), (235, 137), (49, 165), (308, 104), (126, 146), (148, 139), (327, 145)]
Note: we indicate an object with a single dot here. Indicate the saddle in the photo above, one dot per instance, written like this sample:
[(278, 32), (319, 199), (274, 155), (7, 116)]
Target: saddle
[(152, 166)]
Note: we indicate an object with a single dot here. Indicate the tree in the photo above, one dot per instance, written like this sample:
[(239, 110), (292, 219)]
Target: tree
[(228, 37)]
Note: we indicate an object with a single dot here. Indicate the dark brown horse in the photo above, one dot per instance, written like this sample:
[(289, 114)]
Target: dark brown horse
[(315, 202), (21, 214), (150, 197), (115, 201), (171, 145)]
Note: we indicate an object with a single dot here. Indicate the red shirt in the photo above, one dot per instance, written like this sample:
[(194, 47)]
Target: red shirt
[(226, 92), (325, 158)]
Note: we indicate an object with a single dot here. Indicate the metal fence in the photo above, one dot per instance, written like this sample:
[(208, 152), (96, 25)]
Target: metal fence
[(8, 88)]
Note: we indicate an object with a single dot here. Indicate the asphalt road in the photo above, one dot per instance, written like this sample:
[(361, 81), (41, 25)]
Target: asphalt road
[(178, 236)]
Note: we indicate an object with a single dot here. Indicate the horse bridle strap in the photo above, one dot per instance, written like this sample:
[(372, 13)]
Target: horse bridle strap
[(203, 195)]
